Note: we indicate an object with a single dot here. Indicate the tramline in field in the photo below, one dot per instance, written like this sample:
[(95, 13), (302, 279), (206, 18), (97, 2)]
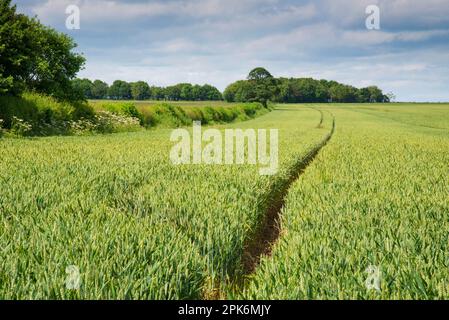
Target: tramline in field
[(116, 211), (369, 219), (135, 225)]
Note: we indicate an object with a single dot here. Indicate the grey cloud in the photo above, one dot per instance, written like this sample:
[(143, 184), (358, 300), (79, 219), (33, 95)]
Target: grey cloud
[(218, 41)]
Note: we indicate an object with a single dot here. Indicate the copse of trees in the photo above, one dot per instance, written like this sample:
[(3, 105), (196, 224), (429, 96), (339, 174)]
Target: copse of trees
[(140, 90), (99, 89), (262, 87), (122, 90), (82, 87), (34, 57)]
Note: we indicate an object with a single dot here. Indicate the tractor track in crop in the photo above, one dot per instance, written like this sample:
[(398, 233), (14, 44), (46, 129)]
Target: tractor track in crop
[(320, 125), (263, 240)]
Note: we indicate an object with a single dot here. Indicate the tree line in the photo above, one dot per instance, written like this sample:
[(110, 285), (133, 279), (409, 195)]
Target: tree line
[(261, 86), (140, 90)]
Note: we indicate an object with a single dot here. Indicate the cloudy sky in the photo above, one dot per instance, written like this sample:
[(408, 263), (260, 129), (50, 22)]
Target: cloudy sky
[(165, 42)]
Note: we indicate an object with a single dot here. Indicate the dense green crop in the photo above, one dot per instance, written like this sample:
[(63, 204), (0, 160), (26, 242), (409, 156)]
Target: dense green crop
[(376, 197), (136, 226)]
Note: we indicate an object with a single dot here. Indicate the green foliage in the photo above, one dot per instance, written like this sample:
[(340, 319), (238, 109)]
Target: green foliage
[(20, 127), (34, 108), (35, 57), (262, 87), (86, 89), (208, 93), (157, 93), (83, 88), (56, 65), (168, 115), (99, 90), (375, 196), (123, 108), (38, 115), (140, 90), (259, 74), (371, 94), (188, 92), (82, 110), (240, 91), (165, 115), (135, 225), (7, 85), (47, 116), (140, 228), (16, 48), (109, 122), (120, 90)]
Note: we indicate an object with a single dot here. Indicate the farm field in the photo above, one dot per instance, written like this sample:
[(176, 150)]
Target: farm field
[(138, 227), (242, 153), (373, 205)]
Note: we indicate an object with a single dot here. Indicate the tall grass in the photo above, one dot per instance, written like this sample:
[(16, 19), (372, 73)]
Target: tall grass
[(39, 115), (136, 226), (34, 114), (174, 115), (374, 199)]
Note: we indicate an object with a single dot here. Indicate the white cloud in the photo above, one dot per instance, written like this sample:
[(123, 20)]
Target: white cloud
[(110, 10), (219, 41)]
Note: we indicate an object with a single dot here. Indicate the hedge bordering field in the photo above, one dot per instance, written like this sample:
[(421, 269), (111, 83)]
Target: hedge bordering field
[(38, 115)]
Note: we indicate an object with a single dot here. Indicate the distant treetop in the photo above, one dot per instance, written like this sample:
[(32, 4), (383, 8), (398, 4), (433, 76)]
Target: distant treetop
[(259, 74), (261, 86)]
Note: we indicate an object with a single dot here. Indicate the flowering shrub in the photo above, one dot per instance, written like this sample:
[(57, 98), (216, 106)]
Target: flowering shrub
[(82, 127), (127, 109), (20, 127), (104, 122)]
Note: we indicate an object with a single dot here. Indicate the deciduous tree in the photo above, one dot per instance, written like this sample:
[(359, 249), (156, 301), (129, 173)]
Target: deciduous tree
[(35, 57)]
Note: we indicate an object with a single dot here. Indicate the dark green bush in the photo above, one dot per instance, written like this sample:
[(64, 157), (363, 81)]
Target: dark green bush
[(168, 115), (43, 113)]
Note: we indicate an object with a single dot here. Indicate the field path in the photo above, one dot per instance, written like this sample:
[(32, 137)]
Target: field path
[(374, 199), (261, 243), (135, 225)]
